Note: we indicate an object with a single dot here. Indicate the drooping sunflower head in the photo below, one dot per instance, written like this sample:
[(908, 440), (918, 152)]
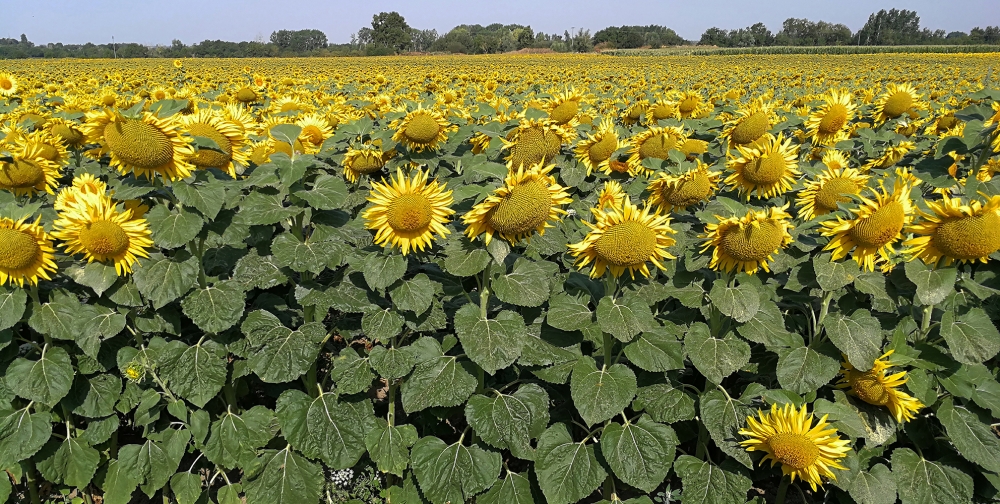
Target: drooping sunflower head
[(822, 194), (954, 232), (897, 100), (95, 227), (830, 123), (611, 195), (8, 85), (408, 211), (633, 112), (525, 204), (752, 122), (766, 170), (892, 155), (315, 130), (364, 160), (291, 105), (146, 146), (596, 150), (535, 141), (563, 107), (624, 238), (29, 172), (421, 129), (747, 243), (946, 125), (677, 192), (662, 109), (229, 136), (656, 143), (691, 104), (67, 132), (787, 436), (25, 252), (879, 388)]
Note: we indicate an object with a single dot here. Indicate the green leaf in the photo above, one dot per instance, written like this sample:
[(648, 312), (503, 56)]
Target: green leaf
[(207, 197), (832, 275), (569, 313), (640, 453), (46, 380), (513, 489), (665, 403), (873, 283), (439, 381), (324, 428), (215, 308), (287, 133), (254, 271), (22, 434), (922, 481), (304, 256), (285, 478), (858, 336), (381, 324), (505, 421), (624, 319), (972, 338), (96, 275), (12, 305), (234, 439), (58, 318), (803, 369), (156, 459), (389, 446), (740, 303), (462, 258), (713, 357), (874, 486), (391, 363), (526, 285), (415, 294), (705, 483), (119, 482), (351, 373), (382, 271), (95, 396), (656, 350), (73, 464), (767, 326), (724, 416), (327, 193), (280, 354), (600, 394), (173, 229), (166, 279), (263, 208), (973, 438), (452, 473), (196, 373), (186, 487), (933, 285), (493, 344), (567, 471)]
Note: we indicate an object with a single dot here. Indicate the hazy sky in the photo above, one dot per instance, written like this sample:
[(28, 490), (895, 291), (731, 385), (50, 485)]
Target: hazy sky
[(146, 22)]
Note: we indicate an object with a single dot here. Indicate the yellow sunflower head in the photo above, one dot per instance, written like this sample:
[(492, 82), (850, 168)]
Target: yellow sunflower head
[(526, 203), (822, 195), (8, 85), (747, 243), (84, 183), (677, 192), (563, 107), (690, 104), (363, 161), (596, 150), (788, 437), (407, 212), (879, 388), (752, 122), (892, 155), (421, 129), (897, 100), (633, 112), (624, 238), (229, 136), (955, 232), (315, 130), (67, 132), (535, 141), (25, 252), (95, 227), (656, 143), (830, 123), (767, 170), (146, 145), (611, 196), (29, 172)]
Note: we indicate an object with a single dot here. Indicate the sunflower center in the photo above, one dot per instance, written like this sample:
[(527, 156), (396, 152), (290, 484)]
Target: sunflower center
[(531, 147), (752, 243), (689, 191), (18, 250), (657, 146), (970, 237), (6, 84), (104, 238), (69, 134), (833, 191), (409, 212), (211, 158), (246, 95), (795, 450), (897, 103), (765, 170), (662, 111), (834, 119), (290, 106), (870, 389), (139, 144), (880, 227), (603, 149), (22, 173), (367, 163), (627, 244), (618, 166), (946, 122), (422, 128), (108, 100), (312, 134), (750, 128), (565, 111), (687, 105), (525, 208)]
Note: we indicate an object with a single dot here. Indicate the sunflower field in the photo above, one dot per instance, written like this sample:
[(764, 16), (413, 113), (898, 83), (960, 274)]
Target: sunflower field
[(546, 278)]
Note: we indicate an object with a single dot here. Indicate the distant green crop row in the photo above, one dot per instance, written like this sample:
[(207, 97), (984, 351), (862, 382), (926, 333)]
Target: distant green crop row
[(693, 51)]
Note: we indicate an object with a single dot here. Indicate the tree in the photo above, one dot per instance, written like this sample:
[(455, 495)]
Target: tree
[(715, 36), (390, 30), (422, 40), (892, 27)]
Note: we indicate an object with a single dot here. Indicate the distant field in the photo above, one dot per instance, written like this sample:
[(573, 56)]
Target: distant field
[(703, 51)]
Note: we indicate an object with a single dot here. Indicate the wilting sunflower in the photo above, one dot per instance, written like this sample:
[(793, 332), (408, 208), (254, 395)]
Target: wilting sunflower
[(563, 107), (656, 143), (946, 125), (767, 169), (315, 130), (25, 252), (528, 199), (407, 212), (146, 146), (875, 226), (8, 85), (874, 387), (747, 243), (661, 109), (897, 100), (421, 129), (955, 232), (535, 141), (95, 227), (611, 196), (752, 122), (364, 160), (788, 437), (29, 172), (830, 123), (822, 195), (226, 134), (677, 192), (623, 237), (596, 150)]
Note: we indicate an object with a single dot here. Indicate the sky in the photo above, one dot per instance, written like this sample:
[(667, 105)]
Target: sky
[(191, 21)]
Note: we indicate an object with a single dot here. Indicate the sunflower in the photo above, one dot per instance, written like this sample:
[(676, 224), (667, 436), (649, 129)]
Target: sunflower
[(897, 100), (752, 122), (830, 123), (421, 129), (8, 85), (690, 104), (875, 226), (946, 125), (528, 199), (315, 130), (656, 143), (67, 132), (364, 160), (596, 150), (892, 155), (25, 252), (623, 237), (677, 192), (407, 212), (226, 134), (535, 141), (747, 243), (767, 169), (822, 195), (290, 105), (874, 387), (633, 112), (147, 145), (788, 437), (29, 172), (955, 232), (241, 117), (95, 227), (692, 148), (83, 183), (611, 196), (564, 107), (662, 109)]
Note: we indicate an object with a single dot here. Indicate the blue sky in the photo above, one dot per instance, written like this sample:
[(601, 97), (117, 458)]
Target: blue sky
[(151, 23)]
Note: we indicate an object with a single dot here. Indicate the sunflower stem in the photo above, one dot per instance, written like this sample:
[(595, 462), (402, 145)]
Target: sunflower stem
[(32, 477), (925, 321), (608, 345), (609, 487), (391, 418), (309, 380), (823, 312), (782, 491)]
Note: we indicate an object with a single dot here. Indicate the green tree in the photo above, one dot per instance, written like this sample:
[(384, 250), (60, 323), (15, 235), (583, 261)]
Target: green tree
[(891, 27), (389, 29)]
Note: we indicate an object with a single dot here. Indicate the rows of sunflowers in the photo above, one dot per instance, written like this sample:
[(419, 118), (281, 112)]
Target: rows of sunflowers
[(581, 278)]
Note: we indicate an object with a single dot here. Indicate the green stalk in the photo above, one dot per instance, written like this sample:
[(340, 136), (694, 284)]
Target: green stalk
[(32, 476), (309, 380), (925, 321), (782, 491), (392, 403), (198, 250), (823, 312), (608, 344)]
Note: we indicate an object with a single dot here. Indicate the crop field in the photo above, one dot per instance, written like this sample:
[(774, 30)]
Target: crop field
[(522, 278)]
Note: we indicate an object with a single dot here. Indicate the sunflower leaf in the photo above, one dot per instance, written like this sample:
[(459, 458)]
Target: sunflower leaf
[(741, 302), (389, 446), (921, 480), (285, 477), (714, 357), (639, 453), (803, 369), (601, 393), (382, 271), (724, 416), (215, 308), (452, 473), (706, 483), (567, 471), (933, 285), (526, 285), (973, 438), (46, 380), (324, 428), (972, 337), (173, 229), (492, 343), (858, 336)]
